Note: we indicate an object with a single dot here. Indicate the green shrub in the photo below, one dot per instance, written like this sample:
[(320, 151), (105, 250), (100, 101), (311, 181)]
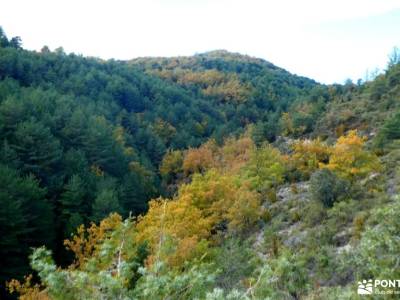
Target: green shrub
[(327, 188), (377, 254), (389, 131), (284, 277), (314, 213), (235, 261)]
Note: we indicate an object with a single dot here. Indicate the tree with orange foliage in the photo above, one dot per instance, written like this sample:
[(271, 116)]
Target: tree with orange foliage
[(228, 158), (102, 269), (235, 153), (86, 242), (27, 290), (200, 159)]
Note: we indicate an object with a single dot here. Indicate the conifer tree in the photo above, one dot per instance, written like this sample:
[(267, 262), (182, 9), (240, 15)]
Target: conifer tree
[(25, 219)]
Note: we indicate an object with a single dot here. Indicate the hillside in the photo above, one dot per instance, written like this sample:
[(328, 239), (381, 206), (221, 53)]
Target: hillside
[(253, 90), (91, 134), (365, 107), (214, 176)]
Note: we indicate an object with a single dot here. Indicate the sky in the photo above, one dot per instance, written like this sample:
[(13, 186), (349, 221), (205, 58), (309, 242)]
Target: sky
[(327, 40)]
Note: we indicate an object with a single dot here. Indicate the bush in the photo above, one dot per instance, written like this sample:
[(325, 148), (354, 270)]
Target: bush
[(314, 213), (377, 254), (235, 261), (327, 188), (359, 224), (389, 131), (284, 277)]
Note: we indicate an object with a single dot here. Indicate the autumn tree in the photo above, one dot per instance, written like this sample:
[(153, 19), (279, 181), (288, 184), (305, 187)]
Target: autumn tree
[(308, 155), (171, 165), (235, 154), (350, 160), (210, 203), (104, 255), (200, 159), (174, 230)]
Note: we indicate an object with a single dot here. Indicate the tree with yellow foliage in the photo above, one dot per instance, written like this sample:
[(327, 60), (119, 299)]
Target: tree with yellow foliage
[(173, 230), (287, 124), (186, 224), (349, 160), (308, 155), (171, 165)]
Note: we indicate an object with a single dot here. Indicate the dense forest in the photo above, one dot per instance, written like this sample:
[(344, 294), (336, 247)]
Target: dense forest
[(214, 176)]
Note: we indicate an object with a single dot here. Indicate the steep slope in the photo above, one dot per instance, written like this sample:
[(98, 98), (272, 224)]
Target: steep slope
[(92, 133)]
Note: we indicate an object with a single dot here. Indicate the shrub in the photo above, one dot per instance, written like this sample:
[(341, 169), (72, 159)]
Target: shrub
[(314, 213), (377, 253), (327, 188), (236, 261), (389, 131), (359, 224)]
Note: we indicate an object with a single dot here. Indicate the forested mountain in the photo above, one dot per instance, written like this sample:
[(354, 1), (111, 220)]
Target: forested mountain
[(212, 176), (246, 90), (90, 135)]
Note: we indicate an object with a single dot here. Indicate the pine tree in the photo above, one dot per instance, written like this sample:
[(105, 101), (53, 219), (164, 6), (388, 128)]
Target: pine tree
[(26, 220), (37, 148), (8, 156), (74, 129), (105, 203), (73, 204)]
